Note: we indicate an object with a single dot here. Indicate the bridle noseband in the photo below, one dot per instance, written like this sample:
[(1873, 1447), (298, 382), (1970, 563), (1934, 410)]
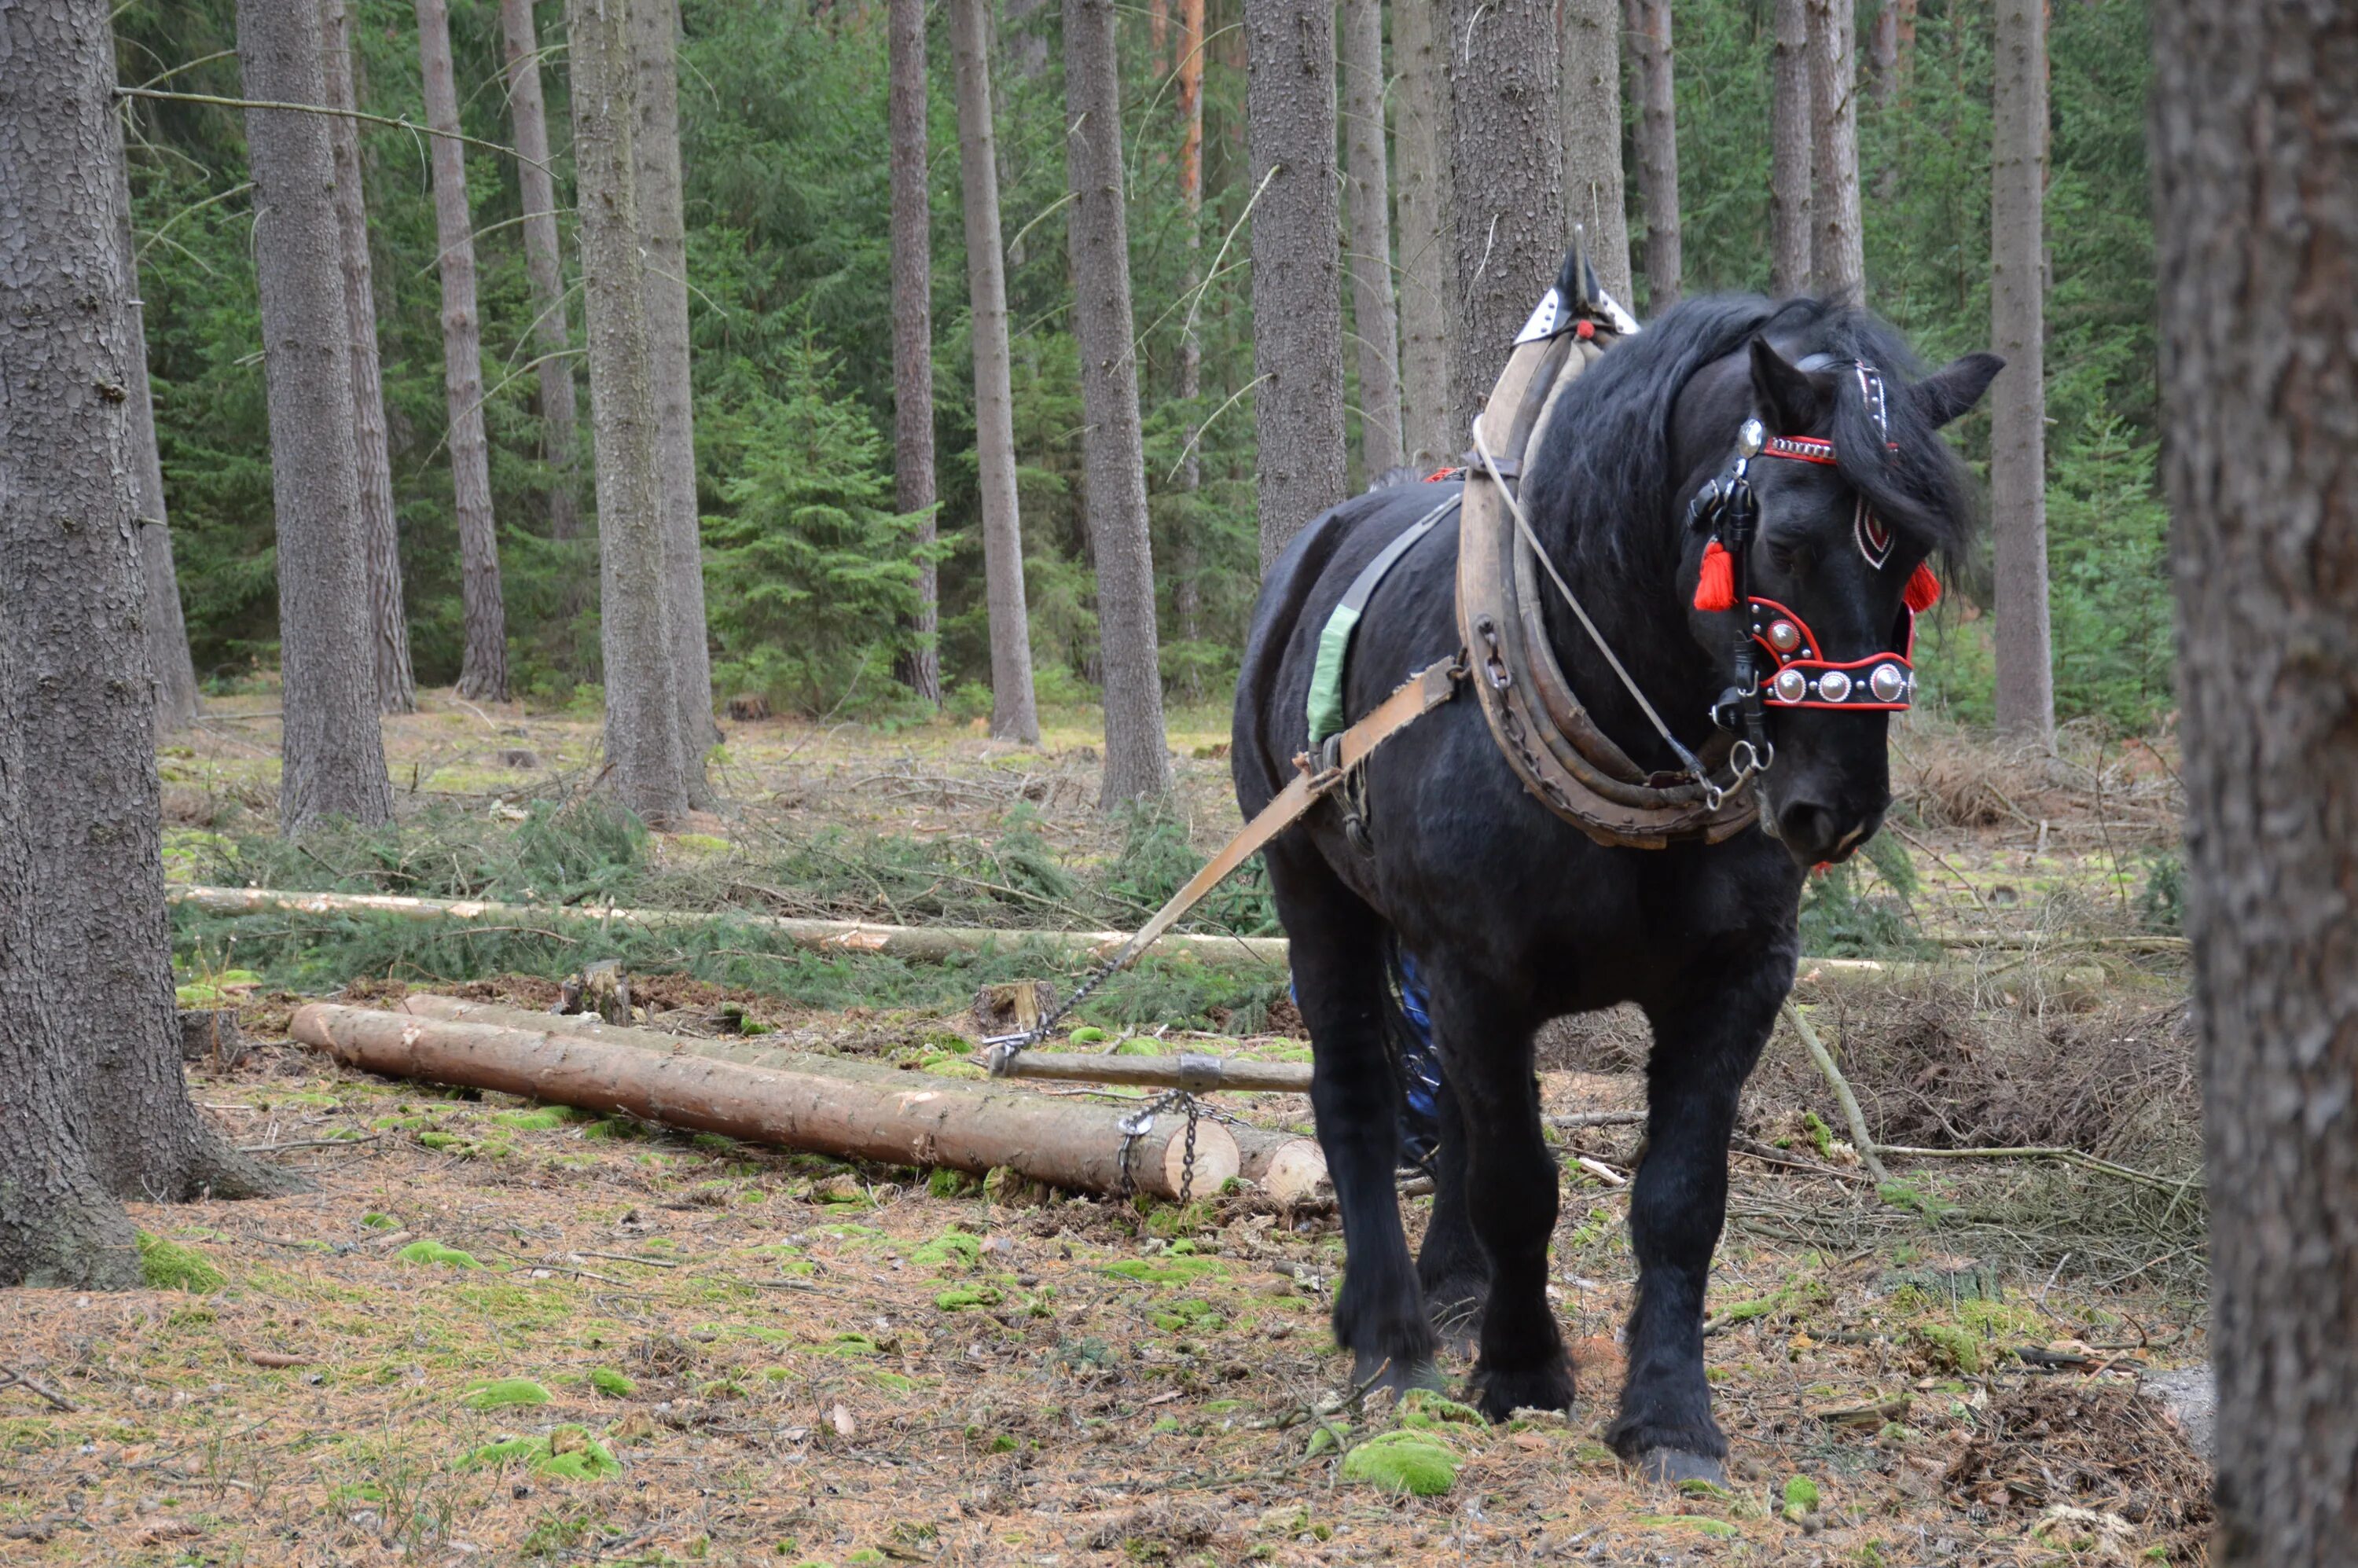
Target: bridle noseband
[(1799, 674)]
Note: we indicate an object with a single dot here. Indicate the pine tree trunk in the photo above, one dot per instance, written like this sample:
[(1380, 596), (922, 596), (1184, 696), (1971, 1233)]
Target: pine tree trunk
[(169, 664), (1895, 35), (1297, 298), (1592, 137), (1186, 582), (1789, 232), (913, 333), (89, 1045), (1837, 254), (2026, 692), (1428, 240), (1506, 166), (1371, 238), (663, 234), (544, 265), (1113, 462), (484, 665), (388, 619), (1014, 716), (1658, 148), (645, 758), (333, 749), (2257, 233)]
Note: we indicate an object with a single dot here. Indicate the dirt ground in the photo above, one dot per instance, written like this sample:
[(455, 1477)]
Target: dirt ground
[(491, 1332)]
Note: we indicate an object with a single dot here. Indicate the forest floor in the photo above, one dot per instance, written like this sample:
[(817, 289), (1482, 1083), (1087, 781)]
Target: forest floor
[(490, 1332)]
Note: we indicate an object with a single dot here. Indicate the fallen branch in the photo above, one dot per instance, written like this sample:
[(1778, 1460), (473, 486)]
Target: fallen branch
[(847, 1110), (2057, 1152), (11, 1377), (1841, 1085)]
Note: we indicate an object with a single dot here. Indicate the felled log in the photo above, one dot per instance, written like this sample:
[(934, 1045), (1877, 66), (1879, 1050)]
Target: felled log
[(1188, 1070), (1288, 1166), (919, 944), (850, 1110)]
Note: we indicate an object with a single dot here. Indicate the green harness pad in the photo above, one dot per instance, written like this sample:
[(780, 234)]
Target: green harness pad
[(1325, 707)]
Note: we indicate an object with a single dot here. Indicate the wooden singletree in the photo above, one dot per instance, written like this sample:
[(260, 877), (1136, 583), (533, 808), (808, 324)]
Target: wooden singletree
[(1014, 714), (1658, 148), (1837, 253), (388, 619), (484, 665), (1789, 232), (544, 268), (645, 756), (332, 751), (1505, 180), (1592, 136), (1113, 462), (2256, 223), (1372, 318), (2026, 681), (913, 329), (96, 1107), (1428, 240), (1296, 287)]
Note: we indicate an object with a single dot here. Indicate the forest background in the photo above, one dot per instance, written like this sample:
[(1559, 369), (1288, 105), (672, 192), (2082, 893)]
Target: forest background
[(809, 568)]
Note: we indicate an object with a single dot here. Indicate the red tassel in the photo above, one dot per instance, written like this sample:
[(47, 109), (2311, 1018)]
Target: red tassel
[(1923, 589), (1715, 586)]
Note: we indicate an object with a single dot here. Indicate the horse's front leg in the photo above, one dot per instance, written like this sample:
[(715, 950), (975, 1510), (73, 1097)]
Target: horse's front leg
[(1704, 1045), (1509, 1194)]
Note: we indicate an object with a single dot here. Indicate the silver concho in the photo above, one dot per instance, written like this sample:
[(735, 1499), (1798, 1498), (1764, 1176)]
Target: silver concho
[(1784, 636), (1750, 436), (1888, 682), (1791, 686), (1833, 686)]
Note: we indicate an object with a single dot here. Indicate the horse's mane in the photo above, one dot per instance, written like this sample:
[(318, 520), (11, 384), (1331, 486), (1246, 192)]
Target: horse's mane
[(1606, 475)]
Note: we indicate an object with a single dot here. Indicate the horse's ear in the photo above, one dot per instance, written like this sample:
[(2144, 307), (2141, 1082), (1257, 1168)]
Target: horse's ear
[(1954, 387), (1784, 396)]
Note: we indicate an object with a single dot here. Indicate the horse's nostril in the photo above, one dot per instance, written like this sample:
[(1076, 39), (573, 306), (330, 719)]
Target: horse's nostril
[(1808, 830)]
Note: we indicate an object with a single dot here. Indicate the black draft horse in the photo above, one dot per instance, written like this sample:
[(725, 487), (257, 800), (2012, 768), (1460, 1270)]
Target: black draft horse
[(1514, 917)]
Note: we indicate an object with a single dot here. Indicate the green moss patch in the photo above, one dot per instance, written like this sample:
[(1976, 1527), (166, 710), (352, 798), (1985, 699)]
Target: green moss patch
[(1410, 1461), (1168, 1271), (951, 1250), (169, 1266), (547, 1118), (501, 1393), (959, 1297), (434, 1253), (567, 1452)]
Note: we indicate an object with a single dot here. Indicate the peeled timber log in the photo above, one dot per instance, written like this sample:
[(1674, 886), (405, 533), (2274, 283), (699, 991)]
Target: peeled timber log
[(1288, 1166), (852, 1111)]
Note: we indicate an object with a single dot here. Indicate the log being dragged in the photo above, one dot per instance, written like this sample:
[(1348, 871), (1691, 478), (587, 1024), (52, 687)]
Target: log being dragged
[(1288, 1166), (849, 1110)]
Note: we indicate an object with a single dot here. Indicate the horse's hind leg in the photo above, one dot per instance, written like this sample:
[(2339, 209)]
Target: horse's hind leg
[(1451, 1265), (1337, 954), (1510, 1195)]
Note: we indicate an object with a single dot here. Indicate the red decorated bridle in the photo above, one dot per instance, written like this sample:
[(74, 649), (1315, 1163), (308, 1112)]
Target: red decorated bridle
[(1798, 674)]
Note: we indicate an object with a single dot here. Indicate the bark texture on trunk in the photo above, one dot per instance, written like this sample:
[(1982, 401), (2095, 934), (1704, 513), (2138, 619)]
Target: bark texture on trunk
[(1837, 253), (388, 617), (1649, 22), (1114, 466), (1186, 585), (484, 665), (2256, 220), (1791, 234), (169, 666), (1592, 137), (645, 758), (1371, 237), (1895, 39), (1297, 300), (334, 751), (1506, 176), (544, 265), (912, 330), (1428, 240), (1013, 714), (663, 236), (96, 1107), (2026, 683)]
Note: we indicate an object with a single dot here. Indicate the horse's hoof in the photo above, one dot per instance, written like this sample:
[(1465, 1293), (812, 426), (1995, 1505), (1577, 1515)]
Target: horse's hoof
[(1376, 1373), (1669, 1467), (1499, 1395)]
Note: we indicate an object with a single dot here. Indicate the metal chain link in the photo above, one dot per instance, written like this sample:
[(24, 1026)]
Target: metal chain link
[(1140, 1123)]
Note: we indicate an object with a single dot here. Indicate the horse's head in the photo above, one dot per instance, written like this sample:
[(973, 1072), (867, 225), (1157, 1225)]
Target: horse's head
[(1852, 492)]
